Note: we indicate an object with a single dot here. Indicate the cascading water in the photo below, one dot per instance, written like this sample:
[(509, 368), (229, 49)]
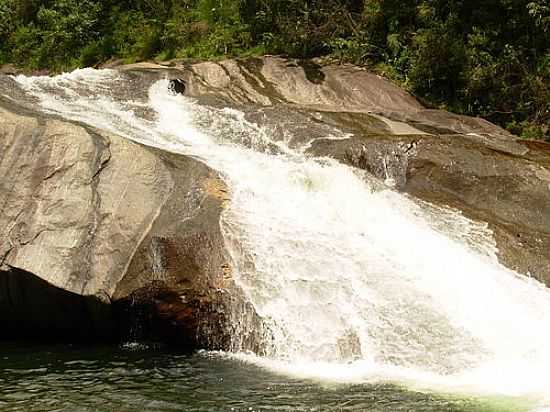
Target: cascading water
[(355, 281)]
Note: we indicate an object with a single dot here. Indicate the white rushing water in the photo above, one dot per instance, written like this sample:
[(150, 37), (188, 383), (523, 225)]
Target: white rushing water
[(355, 281)]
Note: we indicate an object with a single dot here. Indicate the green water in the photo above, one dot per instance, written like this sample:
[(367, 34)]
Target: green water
[(71, 378)]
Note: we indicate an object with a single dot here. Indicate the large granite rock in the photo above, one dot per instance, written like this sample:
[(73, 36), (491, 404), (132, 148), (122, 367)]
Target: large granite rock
[(96, 230)]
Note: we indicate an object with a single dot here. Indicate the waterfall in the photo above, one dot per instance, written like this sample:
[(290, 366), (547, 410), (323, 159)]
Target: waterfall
[(355, 280)]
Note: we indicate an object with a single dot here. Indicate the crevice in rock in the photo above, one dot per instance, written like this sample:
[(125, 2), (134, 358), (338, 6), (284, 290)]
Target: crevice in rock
[(58, 171), (5, 255), (103, 158), (104, 162)]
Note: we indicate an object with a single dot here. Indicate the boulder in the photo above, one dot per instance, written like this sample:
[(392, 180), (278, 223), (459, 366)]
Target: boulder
[(96, 231)]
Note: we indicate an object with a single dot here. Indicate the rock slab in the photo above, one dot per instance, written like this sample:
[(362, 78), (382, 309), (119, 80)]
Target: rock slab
[(112, 227)]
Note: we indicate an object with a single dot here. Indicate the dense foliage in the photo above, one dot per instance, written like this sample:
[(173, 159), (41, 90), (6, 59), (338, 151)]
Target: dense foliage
[(489, 58)]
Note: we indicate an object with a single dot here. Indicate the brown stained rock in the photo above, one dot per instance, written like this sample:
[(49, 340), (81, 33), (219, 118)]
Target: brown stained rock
[(216, 187)]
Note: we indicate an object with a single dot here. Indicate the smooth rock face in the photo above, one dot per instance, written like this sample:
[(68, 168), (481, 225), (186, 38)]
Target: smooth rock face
[(305, 85), (97, 216)]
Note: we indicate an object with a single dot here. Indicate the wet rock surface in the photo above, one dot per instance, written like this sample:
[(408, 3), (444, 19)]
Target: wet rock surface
[(508, 190), (447, 159), (130, 235)]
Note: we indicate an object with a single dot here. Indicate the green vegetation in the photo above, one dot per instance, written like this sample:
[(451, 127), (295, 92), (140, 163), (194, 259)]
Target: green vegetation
[(488, 58)]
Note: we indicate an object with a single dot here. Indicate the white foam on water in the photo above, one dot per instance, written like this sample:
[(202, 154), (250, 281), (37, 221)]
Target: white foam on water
[(355, 281)]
